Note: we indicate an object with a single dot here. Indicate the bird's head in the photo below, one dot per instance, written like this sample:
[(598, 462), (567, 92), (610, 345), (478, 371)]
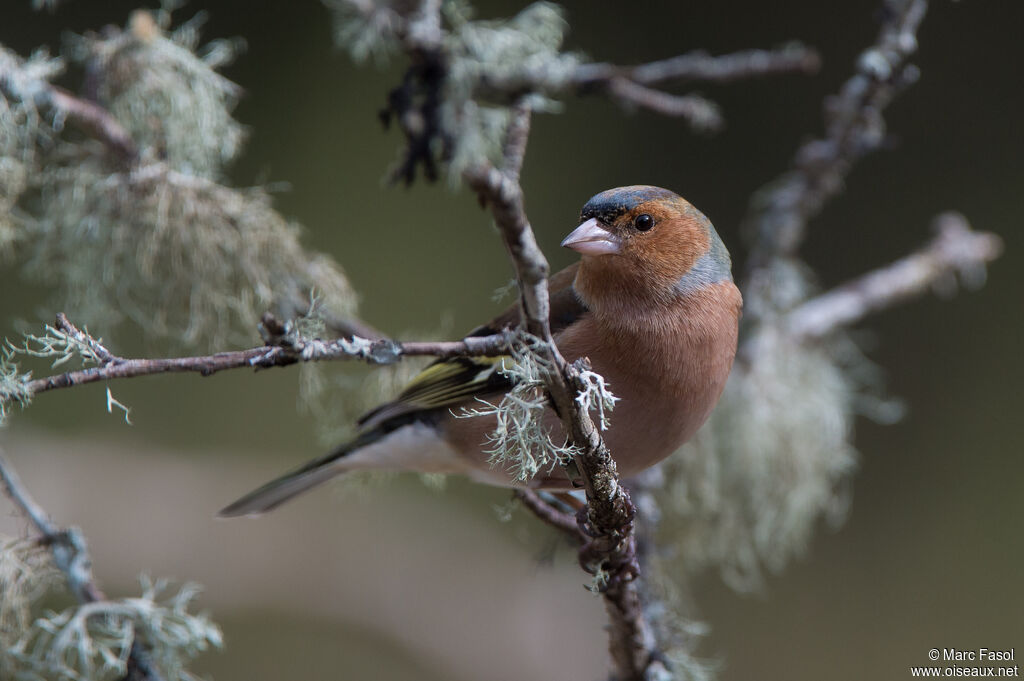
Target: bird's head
[(648, 241)]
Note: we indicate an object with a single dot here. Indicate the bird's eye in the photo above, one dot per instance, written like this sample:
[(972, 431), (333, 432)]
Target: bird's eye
[(643, 222)]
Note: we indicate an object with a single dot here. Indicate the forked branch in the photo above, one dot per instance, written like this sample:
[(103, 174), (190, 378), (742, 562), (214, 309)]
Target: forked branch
[(71, 557)]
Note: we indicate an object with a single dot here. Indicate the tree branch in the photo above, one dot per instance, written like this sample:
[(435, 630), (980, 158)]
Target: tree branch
[(601, 77), (99, 124), (516, 137), (702, 114), (701, 66), (413, 104), (419, 28), (285, 350), (854, 127), (955, 250), (71, 557), (90, 117), (634, 84), (610, 552), (559, 520)]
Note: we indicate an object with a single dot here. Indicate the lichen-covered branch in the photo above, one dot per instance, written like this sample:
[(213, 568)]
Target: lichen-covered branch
[(287, 348), (71, 557), (22, 85), (702, 113), (955, 251), (152, 191), (610, 552), (90, 117), (635, 84), (854, 127), (701, 66), (545, 511), (464, 75)]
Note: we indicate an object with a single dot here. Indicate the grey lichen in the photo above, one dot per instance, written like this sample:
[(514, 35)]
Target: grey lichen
[(335, 395), (92, 641), (678, 635), (490, 59), (597, 397), (26, 574), (365, 29), (168, 96), (179, 255), (153, 239), (61, 346), (489, 65), (13, 384), (22, 127), (774, 458), (523, 441)]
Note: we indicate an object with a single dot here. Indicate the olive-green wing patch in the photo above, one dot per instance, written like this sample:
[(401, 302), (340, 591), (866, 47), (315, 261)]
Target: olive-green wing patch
[(444, 384), (448, 383)]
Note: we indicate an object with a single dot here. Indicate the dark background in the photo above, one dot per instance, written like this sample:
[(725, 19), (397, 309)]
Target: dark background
[(405, 583)]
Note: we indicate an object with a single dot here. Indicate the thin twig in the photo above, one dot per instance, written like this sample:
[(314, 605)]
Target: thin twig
[(594, 78), (71, 557), (635, 84), (516, 137), (955, 250), (92, 119), (854, 127), (88, 116), (702, 114), (98, 349), (20, 496), (701, 66), (68, 546), (383, 351), (561, 521)]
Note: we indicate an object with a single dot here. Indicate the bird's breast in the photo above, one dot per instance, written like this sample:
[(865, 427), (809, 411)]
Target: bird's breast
[(668, 372)]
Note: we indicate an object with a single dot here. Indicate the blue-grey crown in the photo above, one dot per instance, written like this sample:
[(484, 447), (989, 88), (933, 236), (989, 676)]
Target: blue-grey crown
[(609, 205)]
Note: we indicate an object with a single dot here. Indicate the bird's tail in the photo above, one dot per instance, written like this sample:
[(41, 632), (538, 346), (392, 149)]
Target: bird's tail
[(290, 485)]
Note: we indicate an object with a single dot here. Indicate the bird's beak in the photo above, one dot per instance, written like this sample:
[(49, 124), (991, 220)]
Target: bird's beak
[(591, 238)]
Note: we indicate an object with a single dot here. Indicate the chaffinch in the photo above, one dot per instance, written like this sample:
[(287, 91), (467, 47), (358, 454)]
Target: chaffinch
[(651, 303)]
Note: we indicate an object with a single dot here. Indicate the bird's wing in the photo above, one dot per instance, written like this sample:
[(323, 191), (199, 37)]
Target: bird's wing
[(566, 307), (447, 383)]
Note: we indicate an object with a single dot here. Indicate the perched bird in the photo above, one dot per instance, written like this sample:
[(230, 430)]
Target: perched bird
[(651, 303)]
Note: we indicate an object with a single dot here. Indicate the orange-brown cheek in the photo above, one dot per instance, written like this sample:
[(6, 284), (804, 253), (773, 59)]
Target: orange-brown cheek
[(670, 250)]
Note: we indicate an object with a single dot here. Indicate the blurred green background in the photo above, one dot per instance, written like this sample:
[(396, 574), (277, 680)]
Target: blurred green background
[(404, 582)]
